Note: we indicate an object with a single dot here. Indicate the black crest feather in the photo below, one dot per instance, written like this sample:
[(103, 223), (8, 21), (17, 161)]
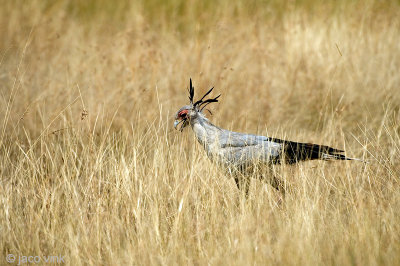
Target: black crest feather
[(200, 103), (191, 92)]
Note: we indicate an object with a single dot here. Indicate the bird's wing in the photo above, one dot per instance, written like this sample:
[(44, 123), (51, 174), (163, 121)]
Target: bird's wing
[(240, 147), (235, 139)]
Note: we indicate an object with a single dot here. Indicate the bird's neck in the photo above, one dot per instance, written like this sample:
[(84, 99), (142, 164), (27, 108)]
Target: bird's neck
[(204, 131)]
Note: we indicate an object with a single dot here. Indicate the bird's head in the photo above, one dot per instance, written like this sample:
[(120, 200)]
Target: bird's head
[(190, 112)]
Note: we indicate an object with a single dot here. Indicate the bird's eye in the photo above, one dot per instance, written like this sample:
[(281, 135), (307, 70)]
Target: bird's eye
[(183, 113)]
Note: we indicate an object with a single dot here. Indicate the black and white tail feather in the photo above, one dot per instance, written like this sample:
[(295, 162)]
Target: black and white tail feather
[(294, 152)]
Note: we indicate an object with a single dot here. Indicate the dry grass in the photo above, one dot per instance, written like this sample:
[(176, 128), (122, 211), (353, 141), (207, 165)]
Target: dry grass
[(92, 169)]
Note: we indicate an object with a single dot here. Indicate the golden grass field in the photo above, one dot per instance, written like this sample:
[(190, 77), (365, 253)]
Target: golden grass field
[(92, 169)]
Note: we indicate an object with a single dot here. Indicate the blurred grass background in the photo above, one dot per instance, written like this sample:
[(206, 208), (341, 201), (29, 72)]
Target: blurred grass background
[(92, 169)]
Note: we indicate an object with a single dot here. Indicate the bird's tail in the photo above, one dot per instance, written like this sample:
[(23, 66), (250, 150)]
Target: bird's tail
[(297, 151), (328, 157)]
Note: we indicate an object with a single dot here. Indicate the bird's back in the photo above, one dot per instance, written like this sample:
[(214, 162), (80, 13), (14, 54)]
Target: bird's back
[(233, 148)]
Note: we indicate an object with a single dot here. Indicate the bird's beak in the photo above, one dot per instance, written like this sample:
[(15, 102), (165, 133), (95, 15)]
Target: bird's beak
[(177, 122)]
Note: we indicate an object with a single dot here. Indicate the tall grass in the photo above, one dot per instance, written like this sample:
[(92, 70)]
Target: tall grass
[(92, 169)]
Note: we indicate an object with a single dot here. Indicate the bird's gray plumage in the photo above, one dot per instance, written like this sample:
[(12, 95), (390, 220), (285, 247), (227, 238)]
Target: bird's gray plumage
[(240, 153), (233, 148)]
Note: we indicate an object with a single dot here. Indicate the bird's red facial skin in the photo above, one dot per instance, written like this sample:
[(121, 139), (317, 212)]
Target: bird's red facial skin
[(182, 113)]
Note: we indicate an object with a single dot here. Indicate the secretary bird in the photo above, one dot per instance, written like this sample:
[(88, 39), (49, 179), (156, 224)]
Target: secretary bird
[(243, 155)]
